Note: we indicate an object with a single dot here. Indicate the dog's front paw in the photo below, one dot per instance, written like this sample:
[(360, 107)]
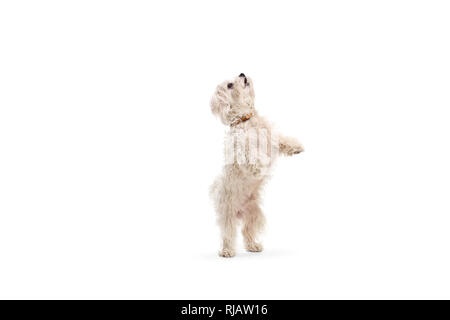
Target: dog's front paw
[(254, 247), (226, 253), (295, 149), (290, 146)]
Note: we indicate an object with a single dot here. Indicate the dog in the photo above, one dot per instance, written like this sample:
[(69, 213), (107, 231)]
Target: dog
[(251, 147)]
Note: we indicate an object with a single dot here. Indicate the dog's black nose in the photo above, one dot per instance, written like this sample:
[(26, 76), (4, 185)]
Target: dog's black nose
[(242, 75)]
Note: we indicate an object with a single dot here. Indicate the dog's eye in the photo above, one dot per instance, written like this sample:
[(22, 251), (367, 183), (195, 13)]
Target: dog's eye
[(230, 85)]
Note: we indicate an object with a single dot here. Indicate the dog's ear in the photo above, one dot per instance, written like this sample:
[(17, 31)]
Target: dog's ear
[(220, 105)]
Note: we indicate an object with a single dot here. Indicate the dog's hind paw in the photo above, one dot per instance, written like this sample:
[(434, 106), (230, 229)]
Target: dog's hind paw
[(226, 253), (254, 247)]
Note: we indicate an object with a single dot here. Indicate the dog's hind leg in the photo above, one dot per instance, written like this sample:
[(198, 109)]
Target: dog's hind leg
[(254, 221), (227, 221)]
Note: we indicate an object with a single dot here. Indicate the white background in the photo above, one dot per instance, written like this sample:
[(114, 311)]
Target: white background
[(108, 147)]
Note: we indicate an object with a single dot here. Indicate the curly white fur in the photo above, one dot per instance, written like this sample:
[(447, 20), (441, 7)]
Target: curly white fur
[(250, 150)]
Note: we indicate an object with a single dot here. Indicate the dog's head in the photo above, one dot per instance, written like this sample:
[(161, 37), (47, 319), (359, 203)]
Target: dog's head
[(233, 101)]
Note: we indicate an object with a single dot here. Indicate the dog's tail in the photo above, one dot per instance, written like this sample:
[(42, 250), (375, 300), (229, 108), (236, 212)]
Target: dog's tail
[(213, 189)]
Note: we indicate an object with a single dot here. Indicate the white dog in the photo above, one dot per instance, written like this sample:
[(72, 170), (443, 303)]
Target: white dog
[(250, 150)]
